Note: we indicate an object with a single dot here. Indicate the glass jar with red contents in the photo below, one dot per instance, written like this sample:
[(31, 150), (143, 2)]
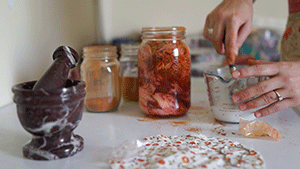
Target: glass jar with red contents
[(164, 67), (100, 71)]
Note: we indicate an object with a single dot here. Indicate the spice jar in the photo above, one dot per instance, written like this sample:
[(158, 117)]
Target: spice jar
[(100, 71), (129, 72), (164, 66)]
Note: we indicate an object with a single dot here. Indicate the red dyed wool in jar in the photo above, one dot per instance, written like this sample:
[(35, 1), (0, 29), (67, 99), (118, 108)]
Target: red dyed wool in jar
[(164, 67)]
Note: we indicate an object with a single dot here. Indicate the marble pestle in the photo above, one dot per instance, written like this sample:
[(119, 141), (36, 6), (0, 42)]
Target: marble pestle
[(65, 58)]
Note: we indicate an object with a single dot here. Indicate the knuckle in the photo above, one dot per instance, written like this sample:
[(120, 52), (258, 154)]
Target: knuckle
[(292, 91), (233, 18), (251, 103), (295, 102), (220, 14), (284, 65), (273, 96), (295, 90), (275, 108), (287, 79), (244, 95), (261, 88), (269, 110), (265, 112), (258, 68), (269, 98)]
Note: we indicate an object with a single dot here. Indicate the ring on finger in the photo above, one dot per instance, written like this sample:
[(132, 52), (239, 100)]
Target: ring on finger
[(210, 30), (280, 98)]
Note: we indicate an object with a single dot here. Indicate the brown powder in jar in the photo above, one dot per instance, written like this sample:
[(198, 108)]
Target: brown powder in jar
[(100, 71), (101, 104), (99, 82), (129, 88)]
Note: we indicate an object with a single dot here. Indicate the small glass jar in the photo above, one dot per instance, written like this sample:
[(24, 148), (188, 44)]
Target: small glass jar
[(100, 71), (129, 72), (164, 72)]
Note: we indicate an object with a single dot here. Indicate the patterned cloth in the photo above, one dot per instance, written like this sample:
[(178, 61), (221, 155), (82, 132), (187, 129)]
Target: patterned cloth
[(290, 43), (185, 152)]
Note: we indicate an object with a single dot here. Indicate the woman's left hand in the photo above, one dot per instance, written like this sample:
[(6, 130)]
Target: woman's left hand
[(284, 79)]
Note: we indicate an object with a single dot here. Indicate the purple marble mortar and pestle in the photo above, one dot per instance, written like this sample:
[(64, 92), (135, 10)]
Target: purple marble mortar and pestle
[(51, 108)]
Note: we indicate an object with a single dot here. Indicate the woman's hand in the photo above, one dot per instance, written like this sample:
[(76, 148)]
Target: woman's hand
[(284, 79), (241, 60), (229, 22)]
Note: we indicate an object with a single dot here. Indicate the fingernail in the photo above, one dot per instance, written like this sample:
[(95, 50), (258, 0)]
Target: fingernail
[(236, 74), (243, 107), (235, 98), (257, 115)]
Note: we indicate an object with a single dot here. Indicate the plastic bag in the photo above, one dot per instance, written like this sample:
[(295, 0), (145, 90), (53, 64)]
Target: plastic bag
[(257, 129)]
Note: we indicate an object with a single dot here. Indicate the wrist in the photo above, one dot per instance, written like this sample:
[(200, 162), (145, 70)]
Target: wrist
[(251, 1)]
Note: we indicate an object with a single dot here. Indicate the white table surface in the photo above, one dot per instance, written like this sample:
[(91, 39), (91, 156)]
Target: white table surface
[(104, 131)]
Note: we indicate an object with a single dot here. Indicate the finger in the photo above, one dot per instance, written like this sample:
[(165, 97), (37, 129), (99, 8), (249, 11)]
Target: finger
[(270, 69), (208, 25), (243, 59), (243, 33), (255, 62), (205, 33), (275, 107), (218, 36), (265, 99), (231, 49), (257, 89)]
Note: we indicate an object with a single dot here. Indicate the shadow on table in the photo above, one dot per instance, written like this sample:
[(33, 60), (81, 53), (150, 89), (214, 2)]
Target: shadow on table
[(100, 156), (297, 110), (130, 109), (12, 142)]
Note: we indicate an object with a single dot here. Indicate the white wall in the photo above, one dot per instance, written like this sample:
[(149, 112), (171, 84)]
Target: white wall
[(34, 28), (127, 17), (30, 32)]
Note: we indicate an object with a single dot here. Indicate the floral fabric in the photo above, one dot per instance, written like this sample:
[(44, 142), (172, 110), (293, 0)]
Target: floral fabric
[(290, 43)]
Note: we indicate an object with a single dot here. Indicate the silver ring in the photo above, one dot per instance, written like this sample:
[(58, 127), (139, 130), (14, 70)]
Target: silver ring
[(210, 30), (278, 95)]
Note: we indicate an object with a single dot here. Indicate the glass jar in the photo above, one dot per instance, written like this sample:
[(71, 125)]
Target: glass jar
[(100, 71), (129, 72), (164, 72)]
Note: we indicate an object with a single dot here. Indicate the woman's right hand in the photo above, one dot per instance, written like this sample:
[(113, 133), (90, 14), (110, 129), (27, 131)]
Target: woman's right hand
[(230, 23)]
